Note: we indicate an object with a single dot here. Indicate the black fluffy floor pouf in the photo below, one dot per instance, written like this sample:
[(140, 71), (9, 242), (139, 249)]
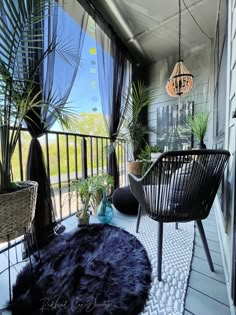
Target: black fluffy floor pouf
[(98, 269), (124, 200)]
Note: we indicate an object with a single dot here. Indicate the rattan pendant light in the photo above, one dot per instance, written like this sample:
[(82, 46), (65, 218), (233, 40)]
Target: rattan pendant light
[(180, 82)]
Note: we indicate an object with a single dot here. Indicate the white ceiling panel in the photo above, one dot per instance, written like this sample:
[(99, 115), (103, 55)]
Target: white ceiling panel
[(150, 27), (154, 24)]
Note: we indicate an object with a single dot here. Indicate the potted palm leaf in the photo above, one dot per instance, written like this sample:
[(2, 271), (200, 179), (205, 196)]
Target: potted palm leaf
[(100, 184), (82, 187), (90, 191), (21, 24), (134, 131), (198, 124)]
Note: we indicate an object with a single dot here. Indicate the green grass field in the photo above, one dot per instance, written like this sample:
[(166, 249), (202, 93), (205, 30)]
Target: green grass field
[(87, 124), (96, 155)]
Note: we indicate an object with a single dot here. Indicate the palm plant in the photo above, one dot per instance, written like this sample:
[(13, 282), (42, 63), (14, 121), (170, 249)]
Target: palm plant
[(138, 97), (198, 124), (22, 55), (91, 191)]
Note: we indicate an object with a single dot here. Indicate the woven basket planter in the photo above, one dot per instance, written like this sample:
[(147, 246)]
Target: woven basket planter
[(17, 210)]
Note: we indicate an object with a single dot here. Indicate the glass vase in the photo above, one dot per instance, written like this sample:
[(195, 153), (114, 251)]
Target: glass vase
[(105, 211)]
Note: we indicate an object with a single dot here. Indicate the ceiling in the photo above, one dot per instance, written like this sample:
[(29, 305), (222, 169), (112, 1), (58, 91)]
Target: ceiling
[(150, 27)]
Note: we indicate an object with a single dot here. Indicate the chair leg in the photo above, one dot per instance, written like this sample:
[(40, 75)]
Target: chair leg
[(176, 225), (139, 217), (159, 257), (205, 245)]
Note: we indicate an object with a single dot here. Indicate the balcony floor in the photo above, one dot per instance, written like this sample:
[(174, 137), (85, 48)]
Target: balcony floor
[(206, 294)]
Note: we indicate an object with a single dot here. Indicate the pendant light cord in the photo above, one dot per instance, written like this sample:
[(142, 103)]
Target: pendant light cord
[(179, 30), (199, 26)]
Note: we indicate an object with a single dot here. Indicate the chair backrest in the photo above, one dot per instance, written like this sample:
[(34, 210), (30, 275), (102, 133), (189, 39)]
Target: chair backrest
[(181, 185)]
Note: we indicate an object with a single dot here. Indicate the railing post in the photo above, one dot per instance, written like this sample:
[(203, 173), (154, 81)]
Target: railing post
[(84, 158), (59, 174), (125, 162), (20, 159)]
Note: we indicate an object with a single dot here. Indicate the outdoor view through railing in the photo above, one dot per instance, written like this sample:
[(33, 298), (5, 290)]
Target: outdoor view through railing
[(69, 156)]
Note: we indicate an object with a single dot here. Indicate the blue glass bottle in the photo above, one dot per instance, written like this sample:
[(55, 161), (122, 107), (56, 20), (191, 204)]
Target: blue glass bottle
[(105, 211)]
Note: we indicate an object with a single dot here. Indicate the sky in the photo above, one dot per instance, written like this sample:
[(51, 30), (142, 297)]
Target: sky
[(85, 91)]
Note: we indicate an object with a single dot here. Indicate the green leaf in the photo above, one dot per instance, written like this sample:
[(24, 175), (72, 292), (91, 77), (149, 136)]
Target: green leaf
[(198, 124), (137, 97)]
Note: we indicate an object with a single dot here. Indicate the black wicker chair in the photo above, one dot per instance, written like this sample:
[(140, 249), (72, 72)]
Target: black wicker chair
[(180, 186)]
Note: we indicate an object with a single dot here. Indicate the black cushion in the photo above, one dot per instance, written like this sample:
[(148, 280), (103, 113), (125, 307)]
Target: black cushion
[(181, 187), (124, 200)]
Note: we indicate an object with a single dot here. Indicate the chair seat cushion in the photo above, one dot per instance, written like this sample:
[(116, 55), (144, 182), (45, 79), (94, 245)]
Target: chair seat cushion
[(186, 185), (179, 185), (156, 195), (159, 206)]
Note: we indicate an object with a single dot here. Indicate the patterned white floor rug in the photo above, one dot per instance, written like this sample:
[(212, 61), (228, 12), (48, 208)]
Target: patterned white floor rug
[(167, 297)]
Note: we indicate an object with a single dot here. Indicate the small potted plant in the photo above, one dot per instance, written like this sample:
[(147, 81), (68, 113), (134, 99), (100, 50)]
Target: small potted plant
[(83, 188), (198, 124), (100, 185), (91, 191), (155, 152), (145, 157)]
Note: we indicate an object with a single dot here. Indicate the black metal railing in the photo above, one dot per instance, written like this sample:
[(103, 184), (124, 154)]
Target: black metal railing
[(69, 156)]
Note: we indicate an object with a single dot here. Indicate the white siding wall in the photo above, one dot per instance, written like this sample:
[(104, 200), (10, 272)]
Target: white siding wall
[(226, 227)]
